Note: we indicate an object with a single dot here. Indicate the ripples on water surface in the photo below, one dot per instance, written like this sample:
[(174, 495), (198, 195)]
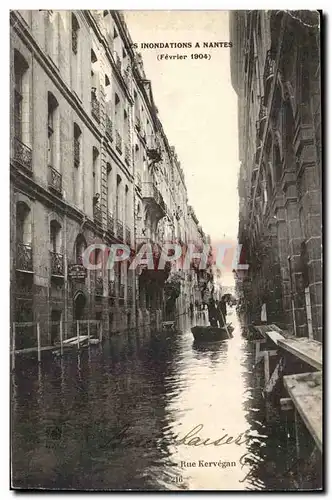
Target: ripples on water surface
[(111, 418)]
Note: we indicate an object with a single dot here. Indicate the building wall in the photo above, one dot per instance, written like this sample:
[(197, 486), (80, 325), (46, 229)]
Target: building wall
[(276, 74), (126, 185)]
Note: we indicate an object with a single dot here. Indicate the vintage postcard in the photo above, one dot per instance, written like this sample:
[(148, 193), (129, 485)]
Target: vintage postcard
[(166, 320)]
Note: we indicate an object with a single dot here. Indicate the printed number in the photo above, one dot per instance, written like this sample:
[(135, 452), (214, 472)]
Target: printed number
[(199, 56)]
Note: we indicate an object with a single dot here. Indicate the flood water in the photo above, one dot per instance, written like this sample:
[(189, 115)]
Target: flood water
[(126, 415)]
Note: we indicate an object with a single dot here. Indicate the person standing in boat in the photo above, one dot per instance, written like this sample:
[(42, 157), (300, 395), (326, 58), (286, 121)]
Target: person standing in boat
[(222, 312), (212, 312)]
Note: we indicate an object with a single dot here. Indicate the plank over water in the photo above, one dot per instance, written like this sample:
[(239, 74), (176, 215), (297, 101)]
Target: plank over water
[(308, 350), (305, 390)]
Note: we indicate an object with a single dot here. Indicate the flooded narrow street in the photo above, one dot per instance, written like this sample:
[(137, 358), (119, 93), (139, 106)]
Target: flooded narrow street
[(145, 413)]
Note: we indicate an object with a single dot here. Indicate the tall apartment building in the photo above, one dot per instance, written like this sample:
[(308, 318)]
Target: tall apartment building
[(89, 163), (275, 66)]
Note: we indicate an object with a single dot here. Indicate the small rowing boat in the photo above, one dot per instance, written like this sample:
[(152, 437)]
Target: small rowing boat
[(211, 333)]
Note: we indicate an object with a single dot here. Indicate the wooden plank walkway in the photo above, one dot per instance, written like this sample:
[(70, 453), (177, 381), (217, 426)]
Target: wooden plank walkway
[(306, 392), (308, 350)]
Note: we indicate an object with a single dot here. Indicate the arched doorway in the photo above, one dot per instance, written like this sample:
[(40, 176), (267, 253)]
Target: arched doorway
[(79, 306)]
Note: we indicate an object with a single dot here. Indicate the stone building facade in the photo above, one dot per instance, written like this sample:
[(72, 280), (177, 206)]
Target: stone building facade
[(275, 67), (89, 163)]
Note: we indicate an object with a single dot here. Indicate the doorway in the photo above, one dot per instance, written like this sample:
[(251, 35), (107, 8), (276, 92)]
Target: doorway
[(55, 326), (79, 305)]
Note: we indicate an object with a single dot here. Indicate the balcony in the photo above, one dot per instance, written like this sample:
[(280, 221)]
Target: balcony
[(128, 235), (24, 258), (99, 286), (154, 154), (97, 214), (126, 77), (110, 223), (139, 181), (127, 154), (95, 106), (138, 123), (118, 141), (269, 71), (262, 111), (153, 197), (262, 116), (109, 128), (119, 229), (57, 264), (117, 61), (111, 289), (22, 154), (54, 179)]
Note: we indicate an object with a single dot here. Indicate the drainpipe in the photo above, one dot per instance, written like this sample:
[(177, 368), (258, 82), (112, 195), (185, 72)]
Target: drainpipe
[(292, 294)]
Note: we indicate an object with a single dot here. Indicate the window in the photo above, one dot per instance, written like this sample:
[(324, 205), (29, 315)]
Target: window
[(95, 171), (127, 213), (118, 198), (108, 98), (77, 145), (53, 38), (80, 246), (23, 223), (75, 27), (95, 106), (117, 110), (55, 236), (109, 187), (52, 105), (20, 93)]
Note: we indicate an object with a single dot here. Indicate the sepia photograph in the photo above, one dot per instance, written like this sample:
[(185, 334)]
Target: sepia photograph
[(166, 250)]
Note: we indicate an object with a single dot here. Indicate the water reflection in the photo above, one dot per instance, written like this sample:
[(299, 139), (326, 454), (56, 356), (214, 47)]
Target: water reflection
[(144, 413)]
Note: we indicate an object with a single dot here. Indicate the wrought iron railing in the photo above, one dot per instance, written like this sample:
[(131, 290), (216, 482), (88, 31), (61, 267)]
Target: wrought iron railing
[(109, 128), (99, 286), (118, 141), (128, 235), (97, 214), (119, 229), (95, 107), (110, 223), (54, 179), (22, 154), (121, 291), (111, 289), (77, 152), (74, 40), (57, 264), (24, 260), (127, 154)]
